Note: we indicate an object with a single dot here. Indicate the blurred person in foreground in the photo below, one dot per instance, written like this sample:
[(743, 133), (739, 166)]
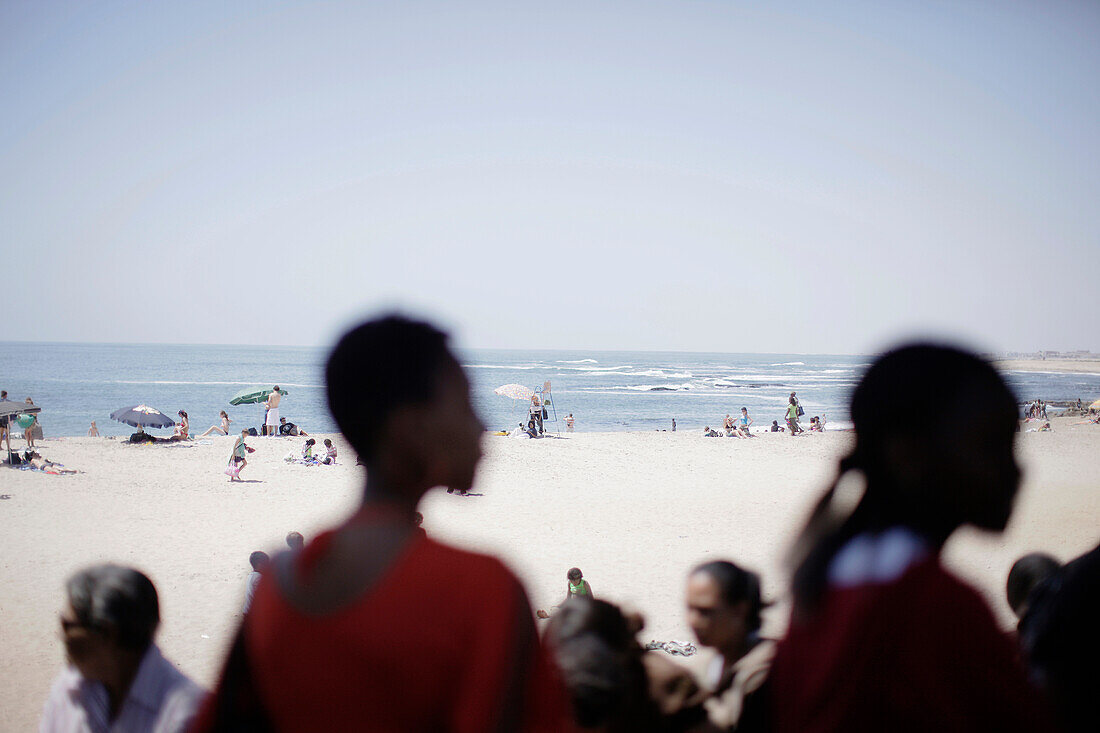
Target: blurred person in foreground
[(346, 634), (881, 636), (117, 679), (723, 609), (1060, 638)]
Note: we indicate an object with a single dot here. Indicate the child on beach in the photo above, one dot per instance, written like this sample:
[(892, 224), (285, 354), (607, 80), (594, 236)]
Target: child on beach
[(330, 453), (237, 461), (307, 451), (578, 588), (345, 634), (881, 635)]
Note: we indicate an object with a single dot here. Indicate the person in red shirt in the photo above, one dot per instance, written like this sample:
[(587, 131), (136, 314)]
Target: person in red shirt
[(374, 626), (881, 636)]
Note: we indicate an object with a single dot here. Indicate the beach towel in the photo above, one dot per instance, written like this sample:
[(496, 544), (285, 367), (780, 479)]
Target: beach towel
[(675, 648)]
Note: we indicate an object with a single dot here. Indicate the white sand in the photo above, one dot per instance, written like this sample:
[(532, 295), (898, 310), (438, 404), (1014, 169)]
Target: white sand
[(1077, 366), (634, 510)]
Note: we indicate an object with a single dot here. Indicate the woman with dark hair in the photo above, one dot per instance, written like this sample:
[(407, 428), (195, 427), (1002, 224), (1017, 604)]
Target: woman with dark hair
[(223, 429), (182, 427), (881, 636), (723, 608)]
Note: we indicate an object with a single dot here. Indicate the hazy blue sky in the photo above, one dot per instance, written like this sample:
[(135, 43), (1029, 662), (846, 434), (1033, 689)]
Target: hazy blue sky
[(719, 176)]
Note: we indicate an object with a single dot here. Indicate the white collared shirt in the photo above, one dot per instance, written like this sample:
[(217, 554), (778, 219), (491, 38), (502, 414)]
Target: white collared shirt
[(161, 700)]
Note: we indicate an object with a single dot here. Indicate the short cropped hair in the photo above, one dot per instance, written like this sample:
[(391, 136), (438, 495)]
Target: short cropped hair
[(116, 598), (258, 559), (1026, 573), (378, 367)]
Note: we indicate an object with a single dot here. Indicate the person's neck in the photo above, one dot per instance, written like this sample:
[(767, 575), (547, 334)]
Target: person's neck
[(383, 493), (121, 679)]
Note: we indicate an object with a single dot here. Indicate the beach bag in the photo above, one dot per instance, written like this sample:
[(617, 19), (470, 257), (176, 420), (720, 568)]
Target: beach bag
[(545, 414), (252, 432), (233, 470), (801, 412)]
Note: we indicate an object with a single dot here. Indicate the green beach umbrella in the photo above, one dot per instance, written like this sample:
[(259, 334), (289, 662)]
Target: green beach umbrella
[(252, 395)]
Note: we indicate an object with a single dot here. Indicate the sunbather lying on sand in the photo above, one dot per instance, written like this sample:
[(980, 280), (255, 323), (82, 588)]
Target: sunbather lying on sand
[(39, 463)]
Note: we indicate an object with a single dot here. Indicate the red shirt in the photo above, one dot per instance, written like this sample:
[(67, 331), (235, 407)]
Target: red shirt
[(443, 641), (919, 653)]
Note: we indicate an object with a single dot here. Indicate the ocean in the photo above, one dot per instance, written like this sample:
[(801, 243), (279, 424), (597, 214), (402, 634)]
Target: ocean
[(605, 391)]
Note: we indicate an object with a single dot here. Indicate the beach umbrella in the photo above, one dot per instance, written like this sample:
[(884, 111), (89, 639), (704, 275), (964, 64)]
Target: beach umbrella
[(142, 416), (252, 395), (19, 413), (515, 391), (1095, 405)]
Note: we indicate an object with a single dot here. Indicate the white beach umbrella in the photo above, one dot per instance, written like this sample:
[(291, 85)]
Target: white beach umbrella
[(515, 391)]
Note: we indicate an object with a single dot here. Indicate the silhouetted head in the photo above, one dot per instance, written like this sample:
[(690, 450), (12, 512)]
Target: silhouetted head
[(574, 575), (940, 468), (931, 472), (1026, 573), (387, 380), (723, 605), (258, 560), (295, 541)]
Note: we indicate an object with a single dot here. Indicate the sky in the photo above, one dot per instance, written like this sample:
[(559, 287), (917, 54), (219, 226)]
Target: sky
[(798, 177)]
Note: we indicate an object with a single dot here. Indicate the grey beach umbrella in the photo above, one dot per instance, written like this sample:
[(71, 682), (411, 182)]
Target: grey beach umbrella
[(142, 416)]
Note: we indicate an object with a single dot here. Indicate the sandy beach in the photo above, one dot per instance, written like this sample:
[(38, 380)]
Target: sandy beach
[(634, 510), (1077, 366)]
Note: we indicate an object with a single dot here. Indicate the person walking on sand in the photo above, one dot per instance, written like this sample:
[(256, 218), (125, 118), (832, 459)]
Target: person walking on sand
[(882, 636), (237, 460), (271, 420), (223, 429), (792, 417), (346, 634)]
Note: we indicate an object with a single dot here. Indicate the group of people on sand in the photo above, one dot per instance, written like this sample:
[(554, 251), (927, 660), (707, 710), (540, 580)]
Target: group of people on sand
[(345, 633), (27, 421)]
